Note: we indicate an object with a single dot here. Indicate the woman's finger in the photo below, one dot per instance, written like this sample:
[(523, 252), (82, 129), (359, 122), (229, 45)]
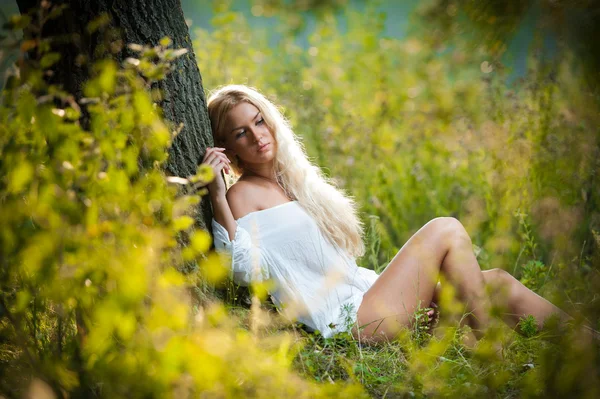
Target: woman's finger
[(219, 164), (217, 167), (217, 160), (221, 153), (209, 152), (213, 152), (211, 156), (226, 167), (224, 157)]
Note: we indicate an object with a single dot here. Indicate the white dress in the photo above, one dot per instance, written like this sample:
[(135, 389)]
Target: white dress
[(315, 282)]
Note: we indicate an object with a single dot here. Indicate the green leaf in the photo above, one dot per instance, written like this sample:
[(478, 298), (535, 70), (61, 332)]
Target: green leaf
[(17, 22), (204, 174), (183, 223), (528, 326), (23, 298), (20, 176), (200, 241), (108, 77), (99, 22), (49, 59), (165, 41)]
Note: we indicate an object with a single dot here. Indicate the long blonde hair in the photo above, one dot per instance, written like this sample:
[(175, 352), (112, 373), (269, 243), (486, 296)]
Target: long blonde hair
[(334, 212)]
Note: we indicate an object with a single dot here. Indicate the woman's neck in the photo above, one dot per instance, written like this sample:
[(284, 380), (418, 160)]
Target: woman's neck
[(265, 171)]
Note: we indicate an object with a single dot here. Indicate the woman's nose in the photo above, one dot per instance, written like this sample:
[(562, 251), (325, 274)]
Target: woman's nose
[(257, 135)]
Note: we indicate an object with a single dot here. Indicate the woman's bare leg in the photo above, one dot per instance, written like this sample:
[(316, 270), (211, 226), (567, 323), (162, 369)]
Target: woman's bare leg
[(519, 300), (442, 245)]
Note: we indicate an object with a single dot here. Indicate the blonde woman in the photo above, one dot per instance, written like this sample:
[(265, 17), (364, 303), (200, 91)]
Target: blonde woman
[(283, 221)]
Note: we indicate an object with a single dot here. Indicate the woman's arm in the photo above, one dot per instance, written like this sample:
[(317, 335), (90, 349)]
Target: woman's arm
[(229, 236), (221, 211)]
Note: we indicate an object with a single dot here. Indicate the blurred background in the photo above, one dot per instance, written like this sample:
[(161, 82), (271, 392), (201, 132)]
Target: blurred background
[(486, 112)]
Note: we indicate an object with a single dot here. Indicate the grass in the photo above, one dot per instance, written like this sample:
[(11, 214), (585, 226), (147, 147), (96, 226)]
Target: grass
[(419, 365)]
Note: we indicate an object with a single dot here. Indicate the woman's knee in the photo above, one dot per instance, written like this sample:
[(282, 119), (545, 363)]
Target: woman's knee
[(500, 281), (450, 230), (497, 276)]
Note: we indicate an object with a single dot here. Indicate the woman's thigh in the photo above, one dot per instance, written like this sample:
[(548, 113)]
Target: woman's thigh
[(409, 281)]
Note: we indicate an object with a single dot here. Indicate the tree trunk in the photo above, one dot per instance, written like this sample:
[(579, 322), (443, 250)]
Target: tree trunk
[(143, 22)]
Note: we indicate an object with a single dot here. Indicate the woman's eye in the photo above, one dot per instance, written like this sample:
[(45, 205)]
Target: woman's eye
[(260, 121), (240, 134)]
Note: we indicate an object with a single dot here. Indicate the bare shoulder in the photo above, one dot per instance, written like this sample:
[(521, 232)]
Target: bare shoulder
[(240, 198)]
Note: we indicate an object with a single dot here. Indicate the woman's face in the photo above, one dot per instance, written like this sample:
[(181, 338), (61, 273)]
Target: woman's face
[(246, 135)]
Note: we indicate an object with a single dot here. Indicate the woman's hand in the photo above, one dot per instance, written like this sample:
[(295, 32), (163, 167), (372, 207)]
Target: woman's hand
[(433, 315), (218, 161)]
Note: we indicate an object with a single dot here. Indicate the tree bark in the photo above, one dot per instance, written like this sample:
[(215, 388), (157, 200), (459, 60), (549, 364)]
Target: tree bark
[(143, 22)]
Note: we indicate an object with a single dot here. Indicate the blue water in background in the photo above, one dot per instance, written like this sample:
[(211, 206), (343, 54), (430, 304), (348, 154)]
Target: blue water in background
[(200, 13)]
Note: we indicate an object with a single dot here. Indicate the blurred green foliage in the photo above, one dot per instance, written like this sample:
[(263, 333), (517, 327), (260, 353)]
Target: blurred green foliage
[(570, 27)]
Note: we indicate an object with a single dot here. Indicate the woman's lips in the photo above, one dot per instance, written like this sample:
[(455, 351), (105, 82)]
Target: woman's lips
[(264, 147)]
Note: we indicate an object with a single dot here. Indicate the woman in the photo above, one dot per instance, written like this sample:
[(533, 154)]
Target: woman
[(284, 222)]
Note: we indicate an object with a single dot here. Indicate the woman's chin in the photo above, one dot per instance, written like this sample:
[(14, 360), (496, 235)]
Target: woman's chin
[(267, 154), (261, 158)]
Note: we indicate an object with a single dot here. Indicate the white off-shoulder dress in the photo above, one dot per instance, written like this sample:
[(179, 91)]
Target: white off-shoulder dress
[(315, 282)]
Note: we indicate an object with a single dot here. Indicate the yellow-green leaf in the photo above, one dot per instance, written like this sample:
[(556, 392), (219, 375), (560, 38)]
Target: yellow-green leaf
[(200, 241), (20, 176), (183, 223), (213, 268)]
